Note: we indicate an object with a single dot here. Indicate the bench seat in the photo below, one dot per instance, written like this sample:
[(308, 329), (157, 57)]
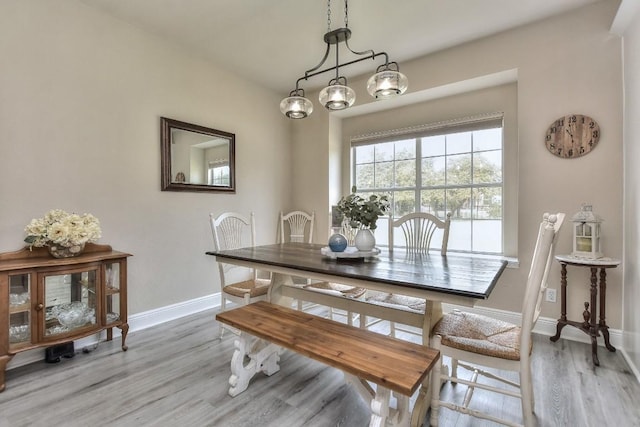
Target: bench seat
[(392, 364)]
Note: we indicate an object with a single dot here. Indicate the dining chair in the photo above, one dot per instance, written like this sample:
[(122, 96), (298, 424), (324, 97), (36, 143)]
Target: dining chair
[(418, 231), (471, 339), (296, 226), (240, 285), (300, 225)]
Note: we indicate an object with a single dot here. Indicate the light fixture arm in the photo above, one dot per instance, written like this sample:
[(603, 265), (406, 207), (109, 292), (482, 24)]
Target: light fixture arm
[(370, 54), (386, 83)]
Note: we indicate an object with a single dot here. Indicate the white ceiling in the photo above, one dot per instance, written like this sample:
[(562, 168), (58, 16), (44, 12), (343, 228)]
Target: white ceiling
[(272, 42)]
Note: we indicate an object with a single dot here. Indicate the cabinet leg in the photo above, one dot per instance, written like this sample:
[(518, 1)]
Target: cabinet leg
[(602, 325), (4, 360), (559, 327), (593, 327), (563, 293), (562, 322), (594, 350), (125, 329), (605, 333)]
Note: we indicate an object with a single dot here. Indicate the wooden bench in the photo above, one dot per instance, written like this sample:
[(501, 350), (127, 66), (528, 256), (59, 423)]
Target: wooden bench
[(394, 365)]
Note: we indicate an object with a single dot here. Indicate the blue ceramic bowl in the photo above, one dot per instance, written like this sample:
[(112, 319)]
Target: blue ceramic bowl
[(337, 243)]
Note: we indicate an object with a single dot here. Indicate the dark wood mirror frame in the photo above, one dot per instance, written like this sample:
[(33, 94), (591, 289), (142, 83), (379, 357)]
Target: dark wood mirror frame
[(169, 172)]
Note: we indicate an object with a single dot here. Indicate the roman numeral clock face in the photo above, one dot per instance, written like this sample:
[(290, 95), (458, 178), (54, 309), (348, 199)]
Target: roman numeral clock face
[(572, 136)]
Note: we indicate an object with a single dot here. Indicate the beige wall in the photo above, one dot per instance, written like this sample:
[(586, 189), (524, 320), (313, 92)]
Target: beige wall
[(631, 319), (566, 64), (81, 99)]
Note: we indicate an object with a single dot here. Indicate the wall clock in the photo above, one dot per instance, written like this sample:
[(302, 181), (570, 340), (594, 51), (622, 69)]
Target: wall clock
[(572, 136)]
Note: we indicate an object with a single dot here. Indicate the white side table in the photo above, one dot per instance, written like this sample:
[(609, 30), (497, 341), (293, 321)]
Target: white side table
[(589, 325)]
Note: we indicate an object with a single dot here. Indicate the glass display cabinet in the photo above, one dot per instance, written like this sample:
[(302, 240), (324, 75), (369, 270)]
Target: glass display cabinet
[(46, 301)]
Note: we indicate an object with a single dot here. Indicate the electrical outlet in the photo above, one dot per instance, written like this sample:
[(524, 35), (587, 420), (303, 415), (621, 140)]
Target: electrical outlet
[(551, 295)]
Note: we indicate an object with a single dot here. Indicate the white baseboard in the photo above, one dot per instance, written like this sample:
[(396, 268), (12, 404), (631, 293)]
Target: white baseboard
[(137, 322), (633, 367), (147, 319)]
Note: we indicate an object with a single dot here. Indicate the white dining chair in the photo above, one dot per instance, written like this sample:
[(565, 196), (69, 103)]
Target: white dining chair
[(300, 225), (417, 239), (472, 340), (240, 285)]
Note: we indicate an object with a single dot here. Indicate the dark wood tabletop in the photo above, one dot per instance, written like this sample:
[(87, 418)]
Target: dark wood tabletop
[(459, 275)]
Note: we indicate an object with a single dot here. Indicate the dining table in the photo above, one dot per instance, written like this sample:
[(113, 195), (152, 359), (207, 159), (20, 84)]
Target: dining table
[(458, 279)]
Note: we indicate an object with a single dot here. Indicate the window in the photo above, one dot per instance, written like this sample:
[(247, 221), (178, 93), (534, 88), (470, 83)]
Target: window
[(218, 175), (452, 168)]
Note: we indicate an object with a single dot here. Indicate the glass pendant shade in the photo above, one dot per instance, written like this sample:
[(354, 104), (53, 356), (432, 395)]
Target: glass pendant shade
[(387, 84), (296, 107), (337, 97)]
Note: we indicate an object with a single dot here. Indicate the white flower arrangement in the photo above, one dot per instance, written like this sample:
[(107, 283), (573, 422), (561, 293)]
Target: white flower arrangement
[(63, 229)]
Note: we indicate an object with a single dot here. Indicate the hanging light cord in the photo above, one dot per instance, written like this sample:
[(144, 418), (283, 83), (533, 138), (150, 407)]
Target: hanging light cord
[(335, 37)]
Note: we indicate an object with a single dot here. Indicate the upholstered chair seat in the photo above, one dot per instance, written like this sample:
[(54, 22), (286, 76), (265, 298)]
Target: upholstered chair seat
[(480, 334), (337, 289), (399, 302), (252, 288)]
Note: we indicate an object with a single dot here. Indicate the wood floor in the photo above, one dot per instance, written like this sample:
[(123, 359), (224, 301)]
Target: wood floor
[(176, 375)]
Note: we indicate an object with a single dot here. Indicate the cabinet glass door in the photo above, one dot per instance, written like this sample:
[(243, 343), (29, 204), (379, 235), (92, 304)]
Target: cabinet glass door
[(20, 309), (112, 292), (70, 302)]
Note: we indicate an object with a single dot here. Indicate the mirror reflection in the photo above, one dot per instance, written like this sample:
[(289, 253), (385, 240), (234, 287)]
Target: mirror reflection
[(196, 158)]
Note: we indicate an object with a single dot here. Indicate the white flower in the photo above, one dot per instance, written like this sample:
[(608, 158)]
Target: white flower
[(63, 229)]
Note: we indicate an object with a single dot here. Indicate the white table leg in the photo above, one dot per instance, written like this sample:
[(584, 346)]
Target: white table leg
[(264, 357), (275, 296)]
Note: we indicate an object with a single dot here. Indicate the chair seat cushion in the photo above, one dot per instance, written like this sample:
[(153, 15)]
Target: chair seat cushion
[(479, 334), (336, 288), (401, 302), (254, 288)]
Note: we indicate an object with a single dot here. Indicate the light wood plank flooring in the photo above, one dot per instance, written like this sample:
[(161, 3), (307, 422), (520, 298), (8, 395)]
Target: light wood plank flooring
[(176, 375)]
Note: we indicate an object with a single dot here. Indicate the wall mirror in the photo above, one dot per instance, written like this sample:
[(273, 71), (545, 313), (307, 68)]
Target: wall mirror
[(196, 158)]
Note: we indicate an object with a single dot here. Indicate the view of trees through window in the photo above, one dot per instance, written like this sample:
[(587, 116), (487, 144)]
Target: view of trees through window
[(458, 173)]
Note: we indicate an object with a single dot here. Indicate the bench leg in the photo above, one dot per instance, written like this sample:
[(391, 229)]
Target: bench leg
[(382, 415), (380, 407), (263, 357)]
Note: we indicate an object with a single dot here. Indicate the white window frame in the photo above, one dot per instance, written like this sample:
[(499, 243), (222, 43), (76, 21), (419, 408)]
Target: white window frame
[(477, 122)]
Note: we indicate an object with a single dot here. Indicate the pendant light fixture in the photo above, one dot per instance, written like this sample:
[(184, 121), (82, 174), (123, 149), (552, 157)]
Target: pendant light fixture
[(386, 83)]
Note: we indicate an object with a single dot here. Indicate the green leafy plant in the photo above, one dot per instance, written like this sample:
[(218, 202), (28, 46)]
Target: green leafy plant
[(363, 212)]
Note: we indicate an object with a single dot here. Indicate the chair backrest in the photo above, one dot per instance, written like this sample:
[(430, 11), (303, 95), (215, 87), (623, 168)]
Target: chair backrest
[(538, 274), (296, 222), (232, 230), (418, 229)]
